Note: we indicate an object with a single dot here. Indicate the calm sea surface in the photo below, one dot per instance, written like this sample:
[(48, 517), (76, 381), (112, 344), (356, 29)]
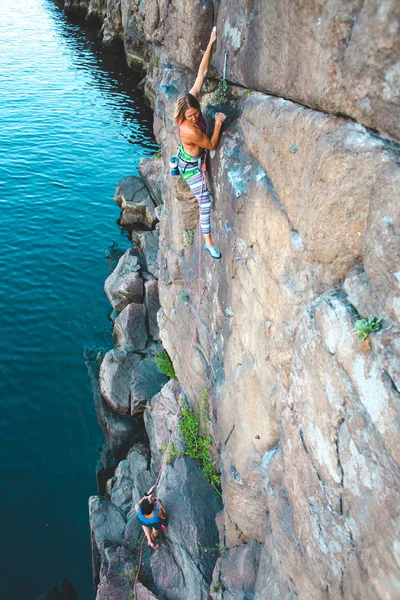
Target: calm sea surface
[(72, 125)]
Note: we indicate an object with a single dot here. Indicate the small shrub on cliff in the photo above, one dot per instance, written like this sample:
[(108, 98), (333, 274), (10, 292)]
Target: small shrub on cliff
[(363, 327), (154, 64), (215, 94), (188, 237), (170, 451), (164, 364), (197, 440), (218, 587), (130, 575), (184, 297)]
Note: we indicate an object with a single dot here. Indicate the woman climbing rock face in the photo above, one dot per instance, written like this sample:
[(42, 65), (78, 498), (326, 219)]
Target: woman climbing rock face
[(152, 516), (194, 143)]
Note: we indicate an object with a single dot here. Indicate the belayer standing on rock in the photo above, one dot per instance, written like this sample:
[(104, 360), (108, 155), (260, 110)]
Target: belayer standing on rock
[(152, 516), (194, 142)]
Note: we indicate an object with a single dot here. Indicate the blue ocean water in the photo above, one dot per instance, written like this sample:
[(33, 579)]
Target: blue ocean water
[(72, 125)]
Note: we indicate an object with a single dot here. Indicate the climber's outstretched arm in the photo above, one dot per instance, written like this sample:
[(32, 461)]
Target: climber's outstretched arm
[(203, 68)]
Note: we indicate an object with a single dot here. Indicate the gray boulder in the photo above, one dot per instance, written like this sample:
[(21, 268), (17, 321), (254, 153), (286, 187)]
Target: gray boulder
[(235, 573), (146, 381), (142, 593), (152, 304), (189, 206), (116, 575), (124, 22), (136, 203), (107, 523), (152, 172), (120, 431), (125, 285), (97, 9), (160, 419), (131, 480), (115, 378), (130, 327), (148, 242)]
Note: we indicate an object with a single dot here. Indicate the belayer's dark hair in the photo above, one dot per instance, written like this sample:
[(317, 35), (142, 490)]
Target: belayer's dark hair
[(146, 506), (185, 102)]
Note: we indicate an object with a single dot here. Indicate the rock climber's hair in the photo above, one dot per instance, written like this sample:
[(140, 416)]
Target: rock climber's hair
[(185, 102), (146, 506)]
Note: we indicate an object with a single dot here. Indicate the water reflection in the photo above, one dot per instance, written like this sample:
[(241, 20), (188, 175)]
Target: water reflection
[(67, 113), (107, 69)]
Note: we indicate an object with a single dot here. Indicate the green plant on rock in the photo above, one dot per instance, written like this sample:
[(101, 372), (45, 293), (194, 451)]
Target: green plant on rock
[(154, 64), (188, 237), (157, 154), (164, 364), (209, 85), (218, 587), (363, 327), (197, 440), (139, 540), (130, 575), (184, 297), (217, 95), (170, 452)]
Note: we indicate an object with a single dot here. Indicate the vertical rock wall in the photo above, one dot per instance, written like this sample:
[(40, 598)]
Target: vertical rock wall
[(306, 419), (306, 214)]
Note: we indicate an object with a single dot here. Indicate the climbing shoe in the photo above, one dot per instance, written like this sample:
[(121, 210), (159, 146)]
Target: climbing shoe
[(213, 251)]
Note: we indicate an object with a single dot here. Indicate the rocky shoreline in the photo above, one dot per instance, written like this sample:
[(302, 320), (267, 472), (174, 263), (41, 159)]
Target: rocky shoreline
[(304, 419), (127, 387)]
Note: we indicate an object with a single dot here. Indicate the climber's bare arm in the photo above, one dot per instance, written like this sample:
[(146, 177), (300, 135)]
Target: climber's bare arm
[(203, 68), (192, 134), (163, 512)]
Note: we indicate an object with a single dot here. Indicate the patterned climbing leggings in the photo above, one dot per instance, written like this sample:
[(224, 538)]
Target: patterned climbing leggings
[(190, 170)]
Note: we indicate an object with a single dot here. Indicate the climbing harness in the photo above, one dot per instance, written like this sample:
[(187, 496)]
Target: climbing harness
[(191, 162)]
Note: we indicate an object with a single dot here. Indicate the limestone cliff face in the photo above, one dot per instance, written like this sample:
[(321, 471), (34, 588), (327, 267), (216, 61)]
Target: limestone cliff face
[(306, 214), (306, 420)]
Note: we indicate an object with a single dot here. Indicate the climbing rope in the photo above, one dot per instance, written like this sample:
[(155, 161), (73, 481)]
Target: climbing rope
[(164, 131), (200, 293), (224, 86)]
